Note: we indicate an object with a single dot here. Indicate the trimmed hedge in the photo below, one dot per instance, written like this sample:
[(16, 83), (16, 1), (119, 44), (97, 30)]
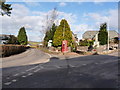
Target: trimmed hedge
[(7, 50)]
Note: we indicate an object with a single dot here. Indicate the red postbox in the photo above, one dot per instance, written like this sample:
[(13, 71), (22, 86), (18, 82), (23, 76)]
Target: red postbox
[(64, 46)]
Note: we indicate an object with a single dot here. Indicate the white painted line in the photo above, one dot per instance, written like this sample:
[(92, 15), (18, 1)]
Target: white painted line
[(96, 63), (37, 70), (29, 69), (32, 68), (71, 65), (8, 83), (23, 76), (14, 80), (48, 55), (30, 74), (84, 64), (16, 74), (57, 66)]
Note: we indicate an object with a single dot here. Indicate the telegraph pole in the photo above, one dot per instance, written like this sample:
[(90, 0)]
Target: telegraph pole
[(63, 31), (108, 35)]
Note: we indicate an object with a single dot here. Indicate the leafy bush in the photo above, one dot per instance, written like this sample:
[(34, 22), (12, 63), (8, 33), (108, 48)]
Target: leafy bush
[(86, 42)]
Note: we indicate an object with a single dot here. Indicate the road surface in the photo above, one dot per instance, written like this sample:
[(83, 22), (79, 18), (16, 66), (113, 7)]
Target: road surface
[(31, 56), (94, 71)]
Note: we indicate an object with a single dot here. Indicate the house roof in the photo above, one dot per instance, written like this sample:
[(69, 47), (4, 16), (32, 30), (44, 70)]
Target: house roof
[(91, 34)]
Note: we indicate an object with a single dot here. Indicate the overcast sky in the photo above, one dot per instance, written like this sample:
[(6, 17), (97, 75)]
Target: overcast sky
[(81, 16)]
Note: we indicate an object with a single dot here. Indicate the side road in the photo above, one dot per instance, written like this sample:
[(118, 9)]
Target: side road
[(31, 56)]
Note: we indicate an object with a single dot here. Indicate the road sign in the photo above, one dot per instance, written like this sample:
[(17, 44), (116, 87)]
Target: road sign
[(49, 44)]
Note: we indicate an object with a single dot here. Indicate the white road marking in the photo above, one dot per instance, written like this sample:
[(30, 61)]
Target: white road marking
[(16, 74), (8, 83), (48, 55), (29, 69), (23, 76), (14, 80), (71, 65), (84, 64), (30, 74), (32, 68), (37, 70), (57, 66)]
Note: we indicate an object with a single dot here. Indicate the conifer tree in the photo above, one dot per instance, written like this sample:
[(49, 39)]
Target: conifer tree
[(103, 34), (22, 37), (49, 34), (62, 32)]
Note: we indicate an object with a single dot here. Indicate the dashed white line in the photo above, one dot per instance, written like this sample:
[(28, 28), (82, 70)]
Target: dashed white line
[(32, 68), (29, 69), (84, 64), (37, 70), (30, 74), (23, 76), (14, 80), (71, 65), (16, 74), (8, 83), (57, 66)]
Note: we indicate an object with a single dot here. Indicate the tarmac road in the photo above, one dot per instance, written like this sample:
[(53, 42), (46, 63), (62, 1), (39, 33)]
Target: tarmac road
[(94, 71)]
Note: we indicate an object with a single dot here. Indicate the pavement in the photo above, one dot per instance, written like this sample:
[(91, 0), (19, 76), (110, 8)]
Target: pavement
[(64, 71)]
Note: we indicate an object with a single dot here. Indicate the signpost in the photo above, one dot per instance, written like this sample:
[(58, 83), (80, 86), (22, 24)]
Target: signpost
[(49, 43)]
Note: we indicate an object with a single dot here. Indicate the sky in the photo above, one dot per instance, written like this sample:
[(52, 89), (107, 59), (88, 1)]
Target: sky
[(81, 16)]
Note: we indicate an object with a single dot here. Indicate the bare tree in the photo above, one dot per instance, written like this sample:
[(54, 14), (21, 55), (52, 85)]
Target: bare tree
[(49, 20)]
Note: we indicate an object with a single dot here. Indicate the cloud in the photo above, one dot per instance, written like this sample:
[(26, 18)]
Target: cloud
[(64, 0), (79, 29), (62, 4), (21, 17), (111, 18), (33, 24), (20, 10), (35, 4)]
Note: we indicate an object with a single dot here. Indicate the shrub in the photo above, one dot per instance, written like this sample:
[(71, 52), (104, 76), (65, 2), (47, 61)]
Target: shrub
[(86, 42), (7, 50)]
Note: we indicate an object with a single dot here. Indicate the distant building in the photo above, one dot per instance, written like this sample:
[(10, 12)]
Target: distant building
[(74, 37), (91, 34)]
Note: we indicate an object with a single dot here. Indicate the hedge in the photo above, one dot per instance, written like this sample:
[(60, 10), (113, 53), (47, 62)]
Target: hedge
[(7, 50)]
